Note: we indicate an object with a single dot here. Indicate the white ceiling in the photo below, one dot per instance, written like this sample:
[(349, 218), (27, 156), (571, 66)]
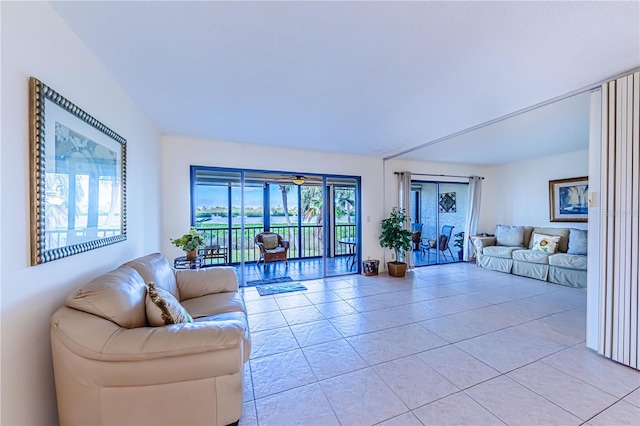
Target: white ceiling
[(374, 78)]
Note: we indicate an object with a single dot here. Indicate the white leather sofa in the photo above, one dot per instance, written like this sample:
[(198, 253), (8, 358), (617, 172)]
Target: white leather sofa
[(511, 251), (112, 368)]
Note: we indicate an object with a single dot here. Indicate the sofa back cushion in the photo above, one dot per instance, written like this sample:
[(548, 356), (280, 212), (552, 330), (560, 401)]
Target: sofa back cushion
[(117, 296), (563, 244), (510, 236), (156, 268), (577, 241)]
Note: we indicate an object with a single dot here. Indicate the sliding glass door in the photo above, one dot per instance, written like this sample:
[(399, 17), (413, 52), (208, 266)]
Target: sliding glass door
[(315, 220), (439, 215)]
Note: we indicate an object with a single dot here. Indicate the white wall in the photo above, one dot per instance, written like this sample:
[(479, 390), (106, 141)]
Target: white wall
[(518, 193), (179, 153), (36, 42)]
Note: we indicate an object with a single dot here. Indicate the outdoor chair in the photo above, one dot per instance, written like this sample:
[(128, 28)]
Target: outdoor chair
[(416, 235), (441, 244), (272, 248)]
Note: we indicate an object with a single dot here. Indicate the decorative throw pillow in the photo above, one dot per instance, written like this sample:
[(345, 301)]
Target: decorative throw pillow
[(577, 241), (270, 241), (510, 236), (545, 243), (163, 308)]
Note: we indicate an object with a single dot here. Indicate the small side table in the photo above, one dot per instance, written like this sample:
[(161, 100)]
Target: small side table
[(182, 263)]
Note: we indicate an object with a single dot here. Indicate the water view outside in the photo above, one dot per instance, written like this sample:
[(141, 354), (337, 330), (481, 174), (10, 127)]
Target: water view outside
[(304, 231)]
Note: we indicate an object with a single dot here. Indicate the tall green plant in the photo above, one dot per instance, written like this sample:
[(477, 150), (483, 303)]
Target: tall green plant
[(393, 235)]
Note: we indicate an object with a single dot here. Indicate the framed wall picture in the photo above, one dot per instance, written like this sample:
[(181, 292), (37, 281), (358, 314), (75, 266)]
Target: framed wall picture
[(447, 203), (568, 199), (78, 178)]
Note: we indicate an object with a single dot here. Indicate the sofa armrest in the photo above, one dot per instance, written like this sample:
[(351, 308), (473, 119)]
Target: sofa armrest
[(95, 338), (481, 242), (97, 353), (199, 282)]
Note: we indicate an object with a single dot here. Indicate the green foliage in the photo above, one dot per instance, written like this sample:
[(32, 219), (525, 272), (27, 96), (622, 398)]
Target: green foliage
[(191, 241), (459, 240), (393, 235)]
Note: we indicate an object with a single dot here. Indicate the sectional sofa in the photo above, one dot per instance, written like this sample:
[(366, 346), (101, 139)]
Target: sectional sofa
[(557, 255)]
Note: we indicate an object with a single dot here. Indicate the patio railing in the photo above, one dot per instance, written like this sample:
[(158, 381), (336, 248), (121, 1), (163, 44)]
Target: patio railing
[(305, 241)]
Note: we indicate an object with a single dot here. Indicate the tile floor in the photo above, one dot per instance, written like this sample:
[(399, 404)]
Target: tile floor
[(450, 344)]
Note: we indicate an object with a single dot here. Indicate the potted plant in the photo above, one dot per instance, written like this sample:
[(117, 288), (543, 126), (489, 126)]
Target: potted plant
[(190, 243), (459, 242), (396, 238)]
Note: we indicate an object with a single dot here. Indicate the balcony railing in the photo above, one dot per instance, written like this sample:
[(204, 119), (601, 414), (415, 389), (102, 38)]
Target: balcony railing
[(305, 241)]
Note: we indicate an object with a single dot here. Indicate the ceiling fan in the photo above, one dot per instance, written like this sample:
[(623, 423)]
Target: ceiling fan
[(298, 179)]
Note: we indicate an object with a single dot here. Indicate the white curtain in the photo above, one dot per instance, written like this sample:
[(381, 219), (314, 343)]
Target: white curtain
[(619, 328), (404, 202), (473, 212)]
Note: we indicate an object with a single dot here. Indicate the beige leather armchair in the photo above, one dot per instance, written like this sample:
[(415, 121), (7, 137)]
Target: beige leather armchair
[(112, 368)]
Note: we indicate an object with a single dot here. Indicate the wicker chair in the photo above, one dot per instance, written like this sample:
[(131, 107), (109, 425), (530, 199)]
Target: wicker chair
[(272, 248)]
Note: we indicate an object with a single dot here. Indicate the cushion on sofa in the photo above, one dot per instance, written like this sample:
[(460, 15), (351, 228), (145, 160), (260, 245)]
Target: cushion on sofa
[(156, 268), (569, 261), (164, 309), (117, 296), (499, 251), (562, 232), (528, 232), (213, 304), (510, 236), (531, 256), (545, 243), (577, 241)]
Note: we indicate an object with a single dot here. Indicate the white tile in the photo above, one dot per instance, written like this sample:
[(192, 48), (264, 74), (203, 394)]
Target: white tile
[(450, 329), (270, 342), (261, 305), (301, 315), (419, 312), (457, 366), (619, 414), (288, 301), (305, 405), (326, 296), (507, 349), (406, 419), (336, 309), (515, 404), (598, 371), (351, 325), (389, 317), (633, 398), (414, 381), (456, 410), (280, 372), (454, 304), (266, 321), (389, 344), (247, 388), (248, 417), (313, 333), (333, 358), (362, 398), (575, 396)]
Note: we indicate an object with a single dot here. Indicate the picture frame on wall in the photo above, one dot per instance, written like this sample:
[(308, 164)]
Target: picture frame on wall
[(568, 199), (78, 178)]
